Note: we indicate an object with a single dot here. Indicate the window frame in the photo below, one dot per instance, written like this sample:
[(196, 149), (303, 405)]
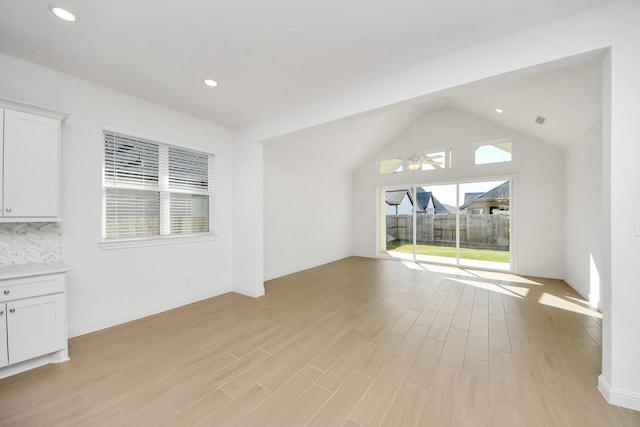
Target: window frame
[(493, 143), (164, 193), (397, 170)]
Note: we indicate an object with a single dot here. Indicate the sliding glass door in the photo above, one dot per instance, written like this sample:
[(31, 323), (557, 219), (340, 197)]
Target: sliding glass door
[(465, 224), (485, 224), (436, 224), (397, 237)]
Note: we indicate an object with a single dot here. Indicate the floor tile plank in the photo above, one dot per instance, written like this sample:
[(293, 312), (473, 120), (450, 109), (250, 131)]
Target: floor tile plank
[(356, 342)]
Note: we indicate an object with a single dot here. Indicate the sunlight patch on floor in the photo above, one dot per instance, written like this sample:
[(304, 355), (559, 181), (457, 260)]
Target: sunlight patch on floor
[(565, 304), (505, 290), (445, 269), (504, 277), (400, 255), (503, 266), (412, 265)]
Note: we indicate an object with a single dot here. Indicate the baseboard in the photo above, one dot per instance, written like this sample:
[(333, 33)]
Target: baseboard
[(86, 328), (365, 255), (587, 296), (249, 292), (618, 397), (27, 365), (590, 298), (314, 264)]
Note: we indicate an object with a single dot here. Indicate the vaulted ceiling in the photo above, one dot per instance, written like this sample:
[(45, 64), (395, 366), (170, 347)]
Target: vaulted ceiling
[(566, 94), (271, 56)]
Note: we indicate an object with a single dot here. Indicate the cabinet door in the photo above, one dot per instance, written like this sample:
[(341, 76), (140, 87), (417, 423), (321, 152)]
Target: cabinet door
[(1, 161), (31, 146), (35, 326), (4, 355)]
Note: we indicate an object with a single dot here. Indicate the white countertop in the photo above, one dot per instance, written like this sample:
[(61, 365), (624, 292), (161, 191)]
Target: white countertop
[(36, 269)]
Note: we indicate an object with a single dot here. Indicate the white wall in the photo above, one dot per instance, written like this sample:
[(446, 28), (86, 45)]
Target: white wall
[(620, 380), (107, 287), (248, 262), (612, 26), (583, 235), (537, 189), (307, 205)]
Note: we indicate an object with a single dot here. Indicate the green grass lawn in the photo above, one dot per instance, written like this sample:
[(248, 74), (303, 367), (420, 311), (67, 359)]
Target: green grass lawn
[(446, 251)]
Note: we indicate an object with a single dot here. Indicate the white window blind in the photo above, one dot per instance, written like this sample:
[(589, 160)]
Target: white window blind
[(154, 189)]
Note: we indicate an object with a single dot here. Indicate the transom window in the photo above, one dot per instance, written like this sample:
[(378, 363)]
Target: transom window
[(154, 189), (390, 166), (495, 152)]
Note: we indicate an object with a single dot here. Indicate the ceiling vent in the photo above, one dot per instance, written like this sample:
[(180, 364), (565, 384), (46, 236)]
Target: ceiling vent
[(540, 120)]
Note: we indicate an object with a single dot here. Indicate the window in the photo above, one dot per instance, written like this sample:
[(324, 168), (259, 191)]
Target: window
[(153, 189), (496, 152), (390, 166)]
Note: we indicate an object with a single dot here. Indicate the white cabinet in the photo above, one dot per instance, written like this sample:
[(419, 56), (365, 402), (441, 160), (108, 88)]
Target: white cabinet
[(33, 328), (29, 170), (4, 351)]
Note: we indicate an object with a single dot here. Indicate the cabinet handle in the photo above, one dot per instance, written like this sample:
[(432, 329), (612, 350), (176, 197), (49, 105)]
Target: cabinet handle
[(8, 210), (7, 292), (12, 310), (1, 313)]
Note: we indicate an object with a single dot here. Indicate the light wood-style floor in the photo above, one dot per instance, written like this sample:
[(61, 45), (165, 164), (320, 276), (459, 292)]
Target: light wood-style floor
[(358, 342)]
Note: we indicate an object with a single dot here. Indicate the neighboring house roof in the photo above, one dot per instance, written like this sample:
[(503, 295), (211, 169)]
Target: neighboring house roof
[(423, 202), (499, 193), (451, 209), (395, 197), (468, 197)]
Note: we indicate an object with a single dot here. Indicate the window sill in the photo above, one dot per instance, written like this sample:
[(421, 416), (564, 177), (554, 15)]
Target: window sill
[(156, 241)]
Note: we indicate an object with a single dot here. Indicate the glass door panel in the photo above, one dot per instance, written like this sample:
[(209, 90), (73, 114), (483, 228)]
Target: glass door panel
[(398, 227), (436, 224), (485, 224)]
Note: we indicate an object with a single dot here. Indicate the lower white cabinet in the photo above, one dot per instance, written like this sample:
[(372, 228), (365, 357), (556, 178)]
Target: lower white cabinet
[(33, 322), (35, 326), (4, 353)]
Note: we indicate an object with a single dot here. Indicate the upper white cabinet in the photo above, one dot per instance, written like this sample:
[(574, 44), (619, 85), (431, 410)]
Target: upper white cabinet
[(29, 170)]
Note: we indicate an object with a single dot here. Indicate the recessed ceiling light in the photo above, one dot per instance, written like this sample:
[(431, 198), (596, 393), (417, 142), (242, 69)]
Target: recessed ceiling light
[(499, 110), (210, 82), (63, 14)]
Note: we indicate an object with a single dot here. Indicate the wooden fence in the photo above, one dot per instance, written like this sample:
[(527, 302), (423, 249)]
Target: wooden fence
[(480, 230)]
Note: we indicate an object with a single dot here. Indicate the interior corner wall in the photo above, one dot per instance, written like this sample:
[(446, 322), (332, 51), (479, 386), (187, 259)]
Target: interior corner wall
[(583, 234), (537, 189), (307, 207), (108, 287)]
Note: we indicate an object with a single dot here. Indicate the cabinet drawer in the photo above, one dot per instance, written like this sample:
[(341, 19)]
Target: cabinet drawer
[(31, 286)]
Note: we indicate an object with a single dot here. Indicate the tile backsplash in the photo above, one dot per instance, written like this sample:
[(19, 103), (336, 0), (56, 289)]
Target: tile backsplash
[(30, 242)]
